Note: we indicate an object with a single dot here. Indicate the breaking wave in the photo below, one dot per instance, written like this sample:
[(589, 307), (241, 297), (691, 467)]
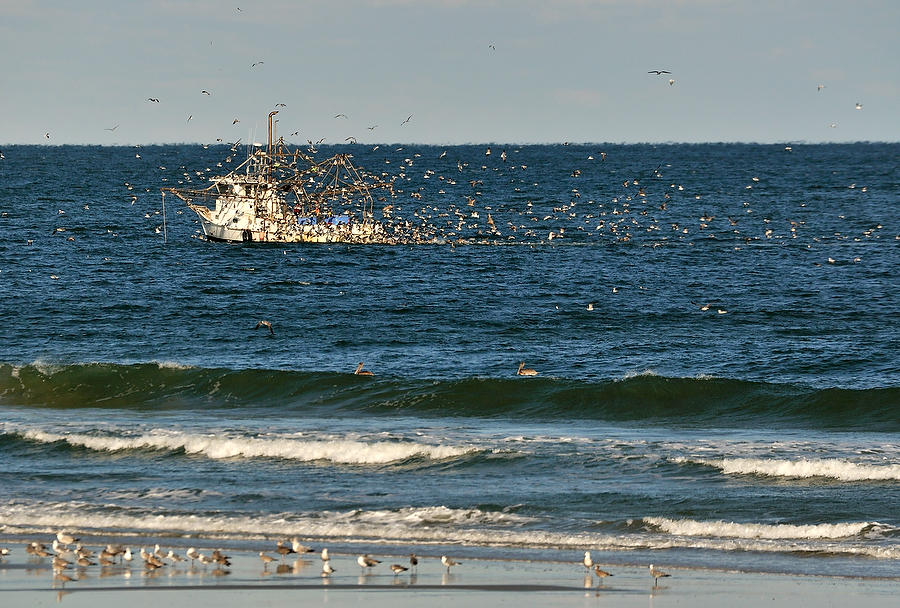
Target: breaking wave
[(443, 525), (842, 470), (647, 397), (339, 451), (724, 529)]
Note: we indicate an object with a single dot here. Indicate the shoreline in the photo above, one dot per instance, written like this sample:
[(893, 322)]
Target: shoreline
[(829, 567), (26, 581)]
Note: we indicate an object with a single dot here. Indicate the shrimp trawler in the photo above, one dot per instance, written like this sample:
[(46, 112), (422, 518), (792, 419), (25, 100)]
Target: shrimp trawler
[(279, 196)]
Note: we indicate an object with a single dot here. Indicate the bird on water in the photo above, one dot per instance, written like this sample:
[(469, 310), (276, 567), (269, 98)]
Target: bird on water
[(525, 371)]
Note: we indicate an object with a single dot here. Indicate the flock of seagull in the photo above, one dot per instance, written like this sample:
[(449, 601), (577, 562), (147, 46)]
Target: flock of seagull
[(657, 72), (642, 211), (69, 559), (602, 575), (431, 205), (434, 205)]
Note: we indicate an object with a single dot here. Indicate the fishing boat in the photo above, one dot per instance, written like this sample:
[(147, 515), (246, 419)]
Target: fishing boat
[(280, 196)]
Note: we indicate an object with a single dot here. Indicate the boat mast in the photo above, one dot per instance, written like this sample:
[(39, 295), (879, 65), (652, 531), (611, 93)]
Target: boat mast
[(269, 143)]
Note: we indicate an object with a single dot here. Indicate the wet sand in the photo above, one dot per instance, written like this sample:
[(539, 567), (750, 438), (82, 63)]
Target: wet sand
[(28, 581)]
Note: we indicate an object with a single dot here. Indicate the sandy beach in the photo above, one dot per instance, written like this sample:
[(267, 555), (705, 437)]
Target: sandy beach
[(29, 581)]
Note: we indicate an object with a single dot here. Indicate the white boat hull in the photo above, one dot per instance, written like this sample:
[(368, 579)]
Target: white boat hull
[(286, 232)]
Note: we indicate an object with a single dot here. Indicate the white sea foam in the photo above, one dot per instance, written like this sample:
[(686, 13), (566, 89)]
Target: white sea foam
[(647, 373), (843, 470), (429, 517), (166, 495), (730, 529), (46, 368), (172, 365), (413, 525), (340, 451)]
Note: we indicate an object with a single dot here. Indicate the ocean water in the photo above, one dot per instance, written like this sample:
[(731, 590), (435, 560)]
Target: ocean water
[(714, 327)]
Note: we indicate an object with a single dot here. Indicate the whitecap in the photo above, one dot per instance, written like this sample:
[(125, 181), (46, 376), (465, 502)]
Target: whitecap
[(730, 529), (336, 450), (412, 525), (840, 469)]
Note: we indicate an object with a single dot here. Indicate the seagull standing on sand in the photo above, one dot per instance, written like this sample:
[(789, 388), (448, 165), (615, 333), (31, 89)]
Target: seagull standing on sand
[(66, 539), (397, 569), (587, 561), (282, 549), (365, 561), (449, 562), (657, 574), (413, 561), (266, 560), (327, 570), (300, 548), (191, 553), (601, 574)]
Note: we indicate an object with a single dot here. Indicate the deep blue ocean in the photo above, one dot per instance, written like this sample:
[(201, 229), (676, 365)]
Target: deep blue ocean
[(715, 329)]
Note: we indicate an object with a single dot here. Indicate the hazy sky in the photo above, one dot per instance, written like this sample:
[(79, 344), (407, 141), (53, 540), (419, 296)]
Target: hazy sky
[(467, 71)]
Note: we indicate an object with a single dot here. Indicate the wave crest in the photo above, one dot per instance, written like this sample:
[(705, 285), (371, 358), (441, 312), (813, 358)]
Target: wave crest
[(840, 469), (339, 451), (730, 529), (641, 396), (440, 525)]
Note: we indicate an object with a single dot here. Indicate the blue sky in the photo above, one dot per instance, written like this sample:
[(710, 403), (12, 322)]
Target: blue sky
[(570, 70)]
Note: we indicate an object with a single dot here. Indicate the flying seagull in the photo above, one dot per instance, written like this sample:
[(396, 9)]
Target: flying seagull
[(659, 72), (408, 118), (205, 92), (111, 128), (265, 323), (153, 99), (340, 116), (257, 63)]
